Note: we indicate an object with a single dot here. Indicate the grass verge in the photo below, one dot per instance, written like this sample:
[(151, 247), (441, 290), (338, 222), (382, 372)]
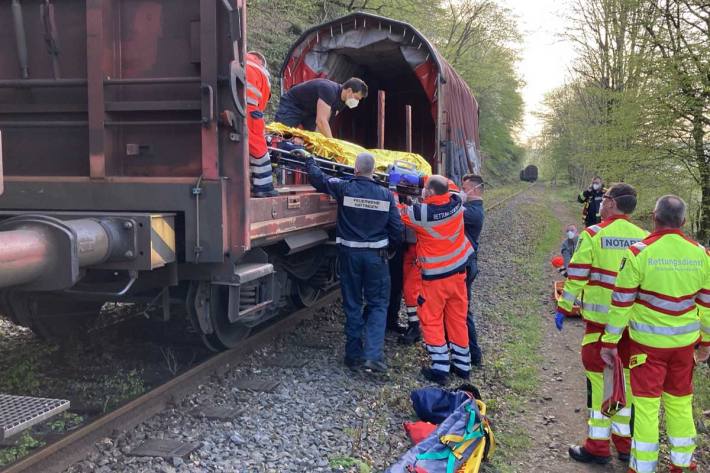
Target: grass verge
[(518, 359)]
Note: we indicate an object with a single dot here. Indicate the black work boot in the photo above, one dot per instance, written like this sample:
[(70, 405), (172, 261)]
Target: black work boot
[(397, 329), (436, 376), (624, 457), (354, 363), (578, 453), (412, 335), (461, 373), (375, 366)]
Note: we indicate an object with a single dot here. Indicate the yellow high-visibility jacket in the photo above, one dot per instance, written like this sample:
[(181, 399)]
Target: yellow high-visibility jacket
[(662, 293), (594, 266)]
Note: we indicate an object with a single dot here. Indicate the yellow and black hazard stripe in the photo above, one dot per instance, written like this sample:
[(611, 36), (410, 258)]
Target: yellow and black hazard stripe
[(162, 240)]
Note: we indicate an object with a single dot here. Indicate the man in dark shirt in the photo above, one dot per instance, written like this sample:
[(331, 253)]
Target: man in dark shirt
[(312, 103), (473, 223)]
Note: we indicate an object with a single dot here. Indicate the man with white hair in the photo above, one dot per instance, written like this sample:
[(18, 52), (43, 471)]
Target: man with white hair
[(662, 294), (368, 222)]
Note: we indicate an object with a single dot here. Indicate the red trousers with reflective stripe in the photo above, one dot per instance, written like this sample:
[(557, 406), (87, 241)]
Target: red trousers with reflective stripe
[(411, 277), (592, 361), (667, 370), (442, 312)]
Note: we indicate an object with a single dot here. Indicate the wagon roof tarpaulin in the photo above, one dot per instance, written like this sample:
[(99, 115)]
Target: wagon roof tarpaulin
[(379, 49)]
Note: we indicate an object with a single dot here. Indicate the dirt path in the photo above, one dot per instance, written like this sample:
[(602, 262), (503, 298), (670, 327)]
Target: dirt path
[(557, 418)]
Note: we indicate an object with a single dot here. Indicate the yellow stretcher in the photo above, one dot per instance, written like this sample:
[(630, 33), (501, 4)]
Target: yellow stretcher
[(345, 152)]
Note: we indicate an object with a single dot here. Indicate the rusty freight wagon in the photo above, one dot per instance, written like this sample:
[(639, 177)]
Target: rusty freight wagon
[(126, 169), (417, 100)]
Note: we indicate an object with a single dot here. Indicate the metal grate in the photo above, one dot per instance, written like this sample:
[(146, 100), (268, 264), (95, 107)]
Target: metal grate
[(18, 413)]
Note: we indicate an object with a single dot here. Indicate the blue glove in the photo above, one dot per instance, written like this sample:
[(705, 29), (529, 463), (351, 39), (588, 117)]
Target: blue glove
[(394, 179), (559, 320)]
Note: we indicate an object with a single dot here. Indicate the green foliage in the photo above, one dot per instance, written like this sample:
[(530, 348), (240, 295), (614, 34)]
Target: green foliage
[(65, 421), (638, 106), (21, 378), (22, 448), (478, 37), (120, 387), (349, 463)]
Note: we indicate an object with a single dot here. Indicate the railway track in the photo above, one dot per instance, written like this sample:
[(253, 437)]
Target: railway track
[(497, 205), (61, 454), (58, 456)]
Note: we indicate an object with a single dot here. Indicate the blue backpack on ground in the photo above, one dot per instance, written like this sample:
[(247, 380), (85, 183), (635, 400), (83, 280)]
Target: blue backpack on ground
[(434, 404)]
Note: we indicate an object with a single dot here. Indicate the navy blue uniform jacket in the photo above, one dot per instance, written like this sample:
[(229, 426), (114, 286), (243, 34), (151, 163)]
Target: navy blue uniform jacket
[(367, 212)]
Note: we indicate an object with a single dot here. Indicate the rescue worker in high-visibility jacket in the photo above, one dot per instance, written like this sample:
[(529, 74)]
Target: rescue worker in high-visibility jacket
[(443, 252), (368, 223), (258, 93), (593, 269), (662, 295)]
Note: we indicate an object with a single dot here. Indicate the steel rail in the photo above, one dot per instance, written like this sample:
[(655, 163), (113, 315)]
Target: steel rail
[(59, 455), (498, 204)]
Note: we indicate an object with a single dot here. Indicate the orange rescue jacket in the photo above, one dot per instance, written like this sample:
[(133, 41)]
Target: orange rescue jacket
[(442, 246), (258, 94)]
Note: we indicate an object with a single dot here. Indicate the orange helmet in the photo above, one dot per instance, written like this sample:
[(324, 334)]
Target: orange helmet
[(557, 261)]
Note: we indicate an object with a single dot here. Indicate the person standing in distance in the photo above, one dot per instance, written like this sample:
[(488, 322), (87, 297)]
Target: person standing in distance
[(592, 200)]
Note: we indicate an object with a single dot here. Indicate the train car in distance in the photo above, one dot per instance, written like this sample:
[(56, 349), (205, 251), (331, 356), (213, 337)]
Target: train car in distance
[(126, 171), (529, 174)]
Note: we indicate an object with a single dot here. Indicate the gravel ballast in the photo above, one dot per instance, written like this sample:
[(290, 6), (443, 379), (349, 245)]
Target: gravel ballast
[(322, 417)]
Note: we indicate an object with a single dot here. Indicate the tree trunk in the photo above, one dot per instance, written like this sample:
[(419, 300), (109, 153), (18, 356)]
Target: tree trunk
[(704, 168)]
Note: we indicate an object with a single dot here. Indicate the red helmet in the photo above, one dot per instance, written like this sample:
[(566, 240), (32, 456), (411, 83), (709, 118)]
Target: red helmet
[(557, 261)]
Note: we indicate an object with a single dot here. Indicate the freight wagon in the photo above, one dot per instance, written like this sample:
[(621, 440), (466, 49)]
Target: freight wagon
[(529, 174), (126, 173)]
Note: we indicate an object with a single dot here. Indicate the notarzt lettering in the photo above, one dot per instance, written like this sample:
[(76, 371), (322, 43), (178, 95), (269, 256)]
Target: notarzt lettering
[(369, 204), (618, 243)]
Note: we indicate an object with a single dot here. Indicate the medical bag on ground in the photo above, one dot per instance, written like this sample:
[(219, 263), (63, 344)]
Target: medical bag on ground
[(458, 445)]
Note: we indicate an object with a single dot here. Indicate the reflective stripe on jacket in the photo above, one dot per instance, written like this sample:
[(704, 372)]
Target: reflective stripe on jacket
[(367, 212), (258, 93), (662, 293), (594, 266), (442, 246)]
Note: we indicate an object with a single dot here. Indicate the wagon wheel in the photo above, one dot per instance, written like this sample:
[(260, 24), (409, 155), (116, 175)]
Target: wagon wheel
[(306, 295), (208, 304), (54, 317)]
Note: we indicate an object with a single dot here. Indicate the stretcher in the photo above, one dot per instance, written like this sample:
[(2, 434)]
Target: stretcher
[(485, 448), (344, 152)]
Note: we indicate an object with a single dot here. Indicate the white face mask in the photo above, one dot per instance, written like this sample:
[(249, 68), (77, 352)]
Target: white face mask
[(571, 234), (596, 186), (352, 102)]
